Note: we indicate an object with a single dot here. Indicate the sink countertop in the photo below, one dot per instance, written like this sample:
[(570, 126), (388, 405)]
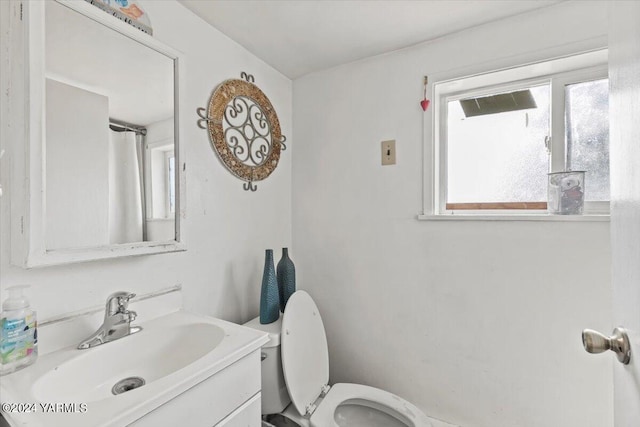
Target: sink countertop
[(112, 411)]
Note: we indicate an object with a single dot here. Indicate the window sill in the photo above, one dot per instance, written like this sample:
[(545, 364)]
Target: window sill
[(161, 219), (515, 217)]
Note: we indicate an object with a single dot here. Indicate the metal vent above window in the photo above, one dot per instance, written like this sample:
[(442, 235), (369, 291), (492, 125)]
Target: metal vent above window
[(500, 103)]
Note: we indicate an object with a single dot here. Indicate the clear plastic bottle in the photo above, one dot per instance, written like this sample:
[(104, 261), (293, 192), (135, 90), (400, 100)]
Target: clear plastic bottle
[(18, 332)]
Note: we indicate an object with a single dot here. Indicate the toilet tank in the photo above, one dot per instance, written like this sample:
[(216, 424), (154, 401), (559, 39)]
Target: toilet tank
[(275, 396)]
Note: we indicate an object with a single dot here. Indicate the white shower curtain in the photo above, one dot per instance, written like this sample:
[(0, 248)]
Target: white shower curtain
[(125, 197)]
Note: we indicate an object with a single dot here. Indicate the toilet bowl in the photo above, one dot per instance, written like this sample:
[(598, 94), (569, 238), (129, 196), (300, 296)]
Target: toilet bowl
[(296, 361)]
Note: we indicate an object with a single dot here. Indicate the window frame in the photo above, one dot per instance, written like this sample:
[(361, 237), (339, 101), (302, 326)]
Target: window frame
[(557, 72), (558, 150), (162, 146), (168, 155)]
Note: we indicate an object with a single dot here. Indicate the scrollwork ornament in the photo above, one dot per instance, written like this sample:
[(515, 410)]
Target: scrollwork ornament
[(244, 130)]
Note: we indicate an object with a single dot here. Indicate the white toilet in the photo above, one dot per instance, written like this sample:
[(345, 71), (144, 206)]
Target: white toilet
[(295, 378)]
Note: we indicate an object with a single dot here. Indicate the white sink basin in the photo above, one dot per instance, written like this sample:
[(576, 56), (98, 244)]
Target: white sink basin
[(149, 354), (171, 353)]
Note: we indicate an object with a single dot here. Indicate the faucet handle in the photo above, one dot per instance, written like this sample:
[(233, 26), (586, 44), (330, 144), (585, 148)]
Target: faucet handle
[(125, 298), (121, 295), (123, 301), (117, 302)]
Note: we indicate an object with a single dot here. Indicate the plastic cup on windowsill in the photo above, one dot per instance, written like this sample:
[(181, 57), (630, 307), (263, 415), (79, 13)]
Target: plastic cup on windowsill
[(566, 193)]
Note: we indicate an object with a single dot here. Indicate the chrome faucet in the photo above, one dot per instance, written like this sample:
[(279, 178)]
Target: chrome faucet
[(117, 321)]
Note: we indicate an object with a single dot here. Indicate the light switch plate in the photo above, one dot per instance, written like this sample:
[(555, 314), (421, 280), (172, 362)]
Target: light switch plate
[(389, 152)]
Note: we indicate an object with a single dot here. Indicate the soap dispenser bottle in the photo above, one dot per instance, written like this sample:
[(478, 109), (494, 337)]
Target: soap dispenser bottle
[(18, 332)]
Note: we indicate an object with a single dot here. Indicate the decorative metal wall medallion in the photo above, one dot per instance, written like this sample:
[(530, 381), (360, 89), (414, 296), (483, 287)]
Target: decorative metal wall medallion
[(244, 129)]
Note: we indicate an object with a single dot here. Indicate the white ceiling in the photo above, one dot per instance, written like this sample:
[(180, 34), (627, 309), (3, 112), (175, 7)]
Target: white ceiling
[(300, 37)]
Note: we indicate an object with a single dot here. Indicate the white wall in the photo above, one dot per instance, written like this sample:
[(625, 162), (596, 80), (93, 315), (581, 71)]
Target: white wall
[(477, 323), (227, 228), (77, 147)]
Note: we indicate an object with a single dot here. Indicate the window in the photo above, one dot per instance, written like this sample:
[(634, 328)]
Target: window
[(498, 135), (160, 180), (587, 134)]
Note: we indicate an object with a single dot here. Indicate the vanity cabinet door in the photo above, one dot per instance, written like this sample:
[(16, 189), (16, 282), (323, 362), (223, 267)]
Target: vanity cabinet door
[(248, 415), (214, 400)]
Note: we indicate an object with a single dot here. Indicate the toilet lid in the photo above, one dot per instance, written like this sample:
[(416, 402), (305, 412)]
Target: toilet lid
[(305, 356)]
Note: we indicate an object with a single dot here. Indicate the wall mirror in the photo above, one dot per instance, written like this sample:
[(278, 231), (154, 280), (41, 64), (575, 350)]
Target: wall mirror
[(104, 165)]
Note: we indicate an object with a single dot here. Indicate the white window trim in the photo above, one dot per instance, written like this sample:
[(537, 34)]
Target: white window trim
[(530, 216), (165, 145), (167, 202), (585, 66)]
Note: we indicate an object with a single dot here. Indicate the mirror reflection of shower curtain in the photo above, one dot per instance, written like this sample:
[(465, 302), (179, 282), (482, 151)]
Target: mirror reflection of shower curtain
[(140, 153), (126, 216)]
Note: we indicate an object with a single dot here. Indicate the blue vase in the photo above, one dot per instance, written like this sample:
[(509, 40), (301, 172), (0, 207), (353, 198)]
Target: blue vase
[(269, 295), (286, 278)]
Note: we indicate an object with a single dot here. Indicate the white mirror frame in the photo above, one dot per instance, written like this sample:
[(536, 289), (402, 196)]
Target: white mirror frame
[(27, 121)]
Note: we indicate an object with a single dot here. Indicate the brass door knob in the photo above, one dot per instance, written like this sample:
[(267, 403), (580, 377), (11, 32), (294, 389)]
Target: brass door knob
[(595, 342)]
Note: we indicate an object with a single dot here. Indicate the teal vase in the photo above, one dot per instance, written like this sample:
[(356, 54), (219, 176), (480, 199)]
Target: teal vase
[(286, 278), (269, 295)]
